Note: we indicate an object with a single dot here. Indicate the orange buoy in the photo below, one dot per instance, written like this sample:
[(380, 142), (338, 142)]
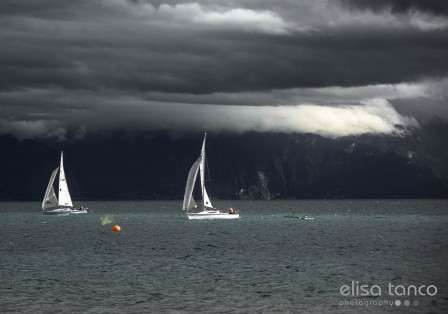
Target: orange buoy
[(116, 228)]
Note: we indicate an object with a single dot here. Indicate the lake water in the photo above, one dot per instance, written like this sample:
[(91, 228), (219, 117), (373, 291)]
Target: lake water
[(269, 261)]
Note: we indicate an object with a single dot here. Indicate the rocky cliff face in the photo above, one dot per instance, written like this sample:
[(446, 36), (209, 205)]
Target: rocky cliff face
[(249, 166)]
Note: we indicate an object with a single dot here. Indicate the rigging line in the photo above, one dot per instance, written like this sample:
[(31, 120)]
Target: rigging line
[(208, 171), (73, 179), (209, 178)]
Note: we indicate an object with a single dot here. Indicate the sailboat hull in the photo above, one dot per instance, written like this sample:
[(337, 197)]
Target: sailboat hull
[(211, 215), (64, 211)]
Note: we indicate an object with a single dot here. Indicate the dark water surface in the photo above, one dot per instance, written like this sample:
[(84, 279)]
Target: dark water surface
[(268, 261)]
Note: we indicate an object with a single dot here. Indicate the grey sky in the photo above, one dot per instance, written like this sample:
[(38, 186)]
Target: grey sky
[(327, 67)]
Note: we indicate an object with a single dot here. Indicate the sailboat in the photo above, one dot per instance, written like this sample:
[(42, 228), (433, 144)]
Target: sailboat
[(52, 205), (208, 211)]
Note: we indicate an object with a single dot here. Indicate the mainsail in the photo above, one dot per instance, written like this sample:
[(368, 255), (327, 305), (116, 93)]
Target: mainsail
[(188, 197), (50, 199), (205, 198), (64, 194)]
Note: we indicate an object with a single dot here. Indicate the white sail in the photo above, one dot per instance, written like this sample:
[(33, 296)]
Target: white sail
[(192, 203), (189, 202), (64, 194), (50, 199), (205, 199)]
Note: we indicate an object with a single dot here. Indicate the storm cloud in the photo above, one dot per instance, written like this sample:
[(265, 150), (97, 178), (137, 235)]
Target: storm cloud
[(435, 7), (70, 68)]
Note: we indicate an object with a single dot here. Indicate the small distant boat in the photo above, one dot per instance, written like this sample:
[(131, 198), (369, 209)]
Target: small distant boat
[(208, 211), (306, 217), (52, 205)]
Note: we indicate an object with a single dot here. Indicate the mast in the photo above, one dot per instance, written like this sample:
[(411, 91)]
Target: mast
[(202, 169)]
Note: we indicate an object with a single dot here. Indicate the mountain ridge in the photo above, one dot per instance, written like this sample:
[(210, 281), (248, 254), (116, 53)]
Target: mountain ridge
[(248, 166)]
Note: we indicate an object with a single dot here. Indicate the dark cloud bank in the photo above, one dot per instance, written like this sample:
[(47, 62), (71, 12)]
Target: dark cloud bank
[(436, 7), (66, 64)]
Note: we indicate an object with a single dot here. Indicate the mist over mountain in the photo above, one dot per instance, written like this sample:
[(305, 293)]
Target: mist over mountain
[(155, 165)]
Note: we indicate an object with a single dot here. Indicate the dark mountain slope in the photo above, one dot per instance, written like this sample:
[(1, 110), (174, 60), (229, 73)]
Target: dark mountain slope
[(253, 165)]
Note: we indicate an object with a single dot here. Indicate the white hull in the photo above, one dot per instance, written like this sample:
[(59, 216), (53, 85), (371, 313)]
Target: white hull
[(64, 211), (211, 215)]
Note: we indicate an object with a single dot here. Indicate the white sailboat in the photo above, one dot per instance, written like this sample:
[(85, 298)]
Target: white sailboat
[(51, 205), (208, 212)]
